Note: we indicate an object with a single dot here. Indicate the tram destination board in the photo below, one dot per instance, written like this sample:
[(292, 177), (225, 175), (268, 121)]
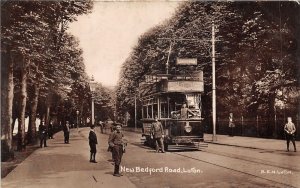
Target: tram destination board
[(183, 86)]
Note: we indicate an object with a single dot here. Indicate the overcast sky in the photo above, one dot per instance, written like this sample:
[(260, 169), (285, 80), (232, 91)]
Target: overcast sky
[(109, 33)]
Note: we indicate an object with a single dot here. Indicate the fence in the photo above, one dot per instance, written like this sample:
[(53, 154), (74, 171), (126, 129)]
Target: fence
[(254, 127)]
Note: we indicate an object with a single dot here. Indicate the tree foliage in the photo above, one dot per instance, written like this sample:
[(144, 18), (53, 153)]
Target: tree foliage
[(256, 53)]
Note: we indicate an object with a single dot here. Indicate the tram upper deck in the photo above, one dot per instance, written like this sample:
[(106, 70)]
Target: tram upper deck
[(164, 95)]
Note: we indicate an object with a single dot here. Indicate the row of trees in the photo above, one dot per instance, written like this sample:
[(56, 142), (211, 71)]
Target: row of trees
[(257, 46), (42, 69)]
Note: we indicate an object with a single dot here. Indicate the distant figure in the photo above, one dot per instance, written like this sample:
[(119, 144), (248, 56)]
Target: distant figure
[(43, 134), (117, 144), (67, 132), (93, 142), (158, 132), (101, 126), (290, 130), (231, 125), (184, 112), (50, 130)]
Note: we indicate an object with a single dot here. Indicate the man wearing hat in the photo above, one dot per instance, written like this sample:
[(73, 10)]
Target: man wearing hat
[(67, 132), (93, 142), (116, 143), (43, 134)]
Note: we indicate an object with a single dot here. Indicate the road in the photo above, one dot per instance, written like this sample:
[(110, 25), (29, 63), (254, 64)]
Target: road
[(66, 165), (217, 165)]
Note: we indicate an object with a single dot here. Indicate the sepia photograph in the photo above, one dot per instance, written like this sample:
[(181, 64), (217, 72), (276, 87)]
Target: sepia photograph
[(150, 94)]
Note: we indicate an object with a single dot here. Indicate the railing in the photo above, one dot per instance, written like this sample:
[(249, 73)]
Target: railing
[(253, 127)]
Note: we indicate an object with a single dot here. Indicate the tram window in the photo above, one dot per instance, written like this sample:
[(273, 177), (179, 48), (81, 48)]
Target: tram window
[(155, 109), (149, 112), (144, 111), (164, 110)]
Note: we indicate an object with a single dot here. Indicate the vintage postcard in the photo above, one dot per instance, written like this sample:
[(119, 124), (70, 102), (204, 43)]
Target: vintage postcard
[(150, 93)]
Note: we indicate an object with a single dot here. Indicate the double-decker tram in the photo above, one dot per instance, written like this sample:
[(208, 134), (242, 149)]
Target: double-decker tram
[(176, 101)]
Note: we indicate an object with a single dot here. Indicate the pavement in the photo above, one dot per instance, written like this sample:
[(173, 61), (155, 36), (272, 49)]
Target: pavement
[(250, 142), (67, 165), (242, 141)]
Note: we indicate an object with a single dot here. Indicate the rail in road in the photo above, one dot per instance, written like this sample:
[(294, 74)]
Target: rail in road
[(239, 171), (250, 162)]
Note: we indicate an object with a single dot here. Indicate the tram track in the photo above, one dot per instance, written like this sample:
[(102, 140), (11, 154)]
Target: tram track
[(235, 157), (235, 170), (253, 160), (181, 154)]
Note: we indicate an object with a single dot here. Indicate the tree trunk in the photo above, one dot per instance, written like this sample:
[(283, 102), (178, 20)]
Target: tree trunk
[(7, 87), (32, 118), (13, 124), (47, 118), (21, 127)]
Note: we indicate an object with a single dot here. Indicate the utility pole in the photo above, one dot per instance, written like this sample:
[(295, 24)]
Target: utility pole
[(134, 112), (214, 137)]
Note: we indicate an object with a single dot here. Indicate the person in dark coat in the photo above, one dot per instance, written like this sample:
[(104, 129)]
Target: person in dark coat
[(117, 144), (50, 130), (93, 142), (67, 132), (158, 133), (43, 134), (290, 130)]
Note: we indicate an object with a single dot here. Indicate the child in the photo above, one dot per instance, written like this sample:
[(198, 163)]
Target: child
[(93, 142)]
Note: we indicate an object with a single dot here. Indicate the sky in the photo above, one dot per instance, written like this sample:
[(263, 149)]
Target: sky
[(109, 33)]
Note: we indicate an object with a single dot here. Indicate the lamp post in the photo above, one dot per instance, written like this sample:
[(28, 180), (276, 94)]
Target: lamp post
[(93, 87), (77, 113)]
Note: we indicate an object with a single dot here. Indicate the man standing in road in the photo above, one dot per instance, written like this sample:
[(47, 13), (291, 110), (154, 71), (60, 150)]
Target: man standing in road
[(43, 134), (67, 132), (290, 130), (93, 142), (116, 143), (158, 133)]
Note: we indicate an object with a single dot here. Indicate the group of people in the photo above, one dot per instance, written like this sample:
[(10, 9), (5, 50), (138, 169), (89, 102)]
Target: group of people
[(45, 133)]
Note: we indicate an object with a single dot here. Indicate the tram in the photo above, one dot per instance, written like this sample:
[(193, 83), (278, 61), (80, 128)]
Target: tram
[(165, 96)]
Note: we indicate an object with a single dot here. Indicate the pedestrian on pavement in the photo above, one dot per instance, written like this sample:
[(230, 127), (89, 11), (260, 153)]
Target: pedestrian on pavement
[(93, 142), (290, 130), (50, 130), (158, 133), (43, 134), (231, 125), (116, 143), (67, 132), (101, 126)]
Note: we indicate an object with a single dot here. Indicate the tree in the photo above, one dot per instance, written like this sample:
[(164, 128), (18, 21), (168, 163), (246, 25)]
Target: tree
[(29, 31)]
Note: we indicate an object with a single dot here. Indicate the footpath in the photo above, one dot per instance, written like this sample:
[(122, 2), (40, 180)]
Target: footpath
[(242, 141), (67, 165), (250, 142)]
